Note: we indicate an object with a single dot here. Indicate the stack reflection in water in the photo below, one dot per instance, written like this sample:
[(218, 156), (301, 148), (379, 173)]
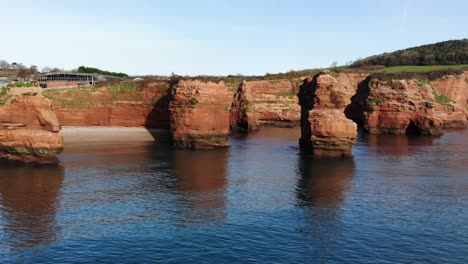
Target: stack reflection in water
[(30, 197), (201, 182), (323, 182)]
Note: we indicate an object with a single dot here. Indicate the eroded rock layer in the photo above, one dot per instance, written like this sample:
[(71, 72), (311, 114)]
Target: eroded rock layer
[(199, 114), (411, 106), (271, 102), (29, 129)]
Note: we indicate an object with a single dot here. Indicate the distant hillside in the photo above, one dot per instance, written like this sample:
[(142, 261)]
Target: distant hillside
[(442, 53)]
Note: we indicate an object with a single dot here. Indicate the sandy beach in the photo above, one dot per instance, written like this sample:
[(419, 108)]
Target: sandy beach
[(86, 135)]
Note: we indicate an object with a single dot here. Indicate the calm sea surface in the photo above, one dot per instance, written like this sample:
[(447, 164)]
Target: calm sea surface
[(398, 199)]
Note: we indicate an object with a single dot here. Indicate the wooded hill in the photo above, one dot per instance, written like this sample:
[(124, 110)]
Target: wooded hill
[(449, 52)]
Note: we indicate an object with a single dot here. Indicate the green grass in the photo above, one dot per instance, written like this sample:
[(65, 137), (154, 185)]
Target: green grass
[(442, 99), (233, 83), (79, 92), (5, 99), (329, 72), (274, 81), (193, 101), (127, 91), (374, 101), (214, 140), (288, 94), (4, 90), (21, 84), (82, 97), (423, 68), (424, 82)]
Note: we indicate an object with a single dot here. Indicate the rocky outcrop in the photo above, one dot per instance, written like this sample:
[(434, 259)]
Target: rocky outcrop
[(333, 135), (29, 129), (410, 106), (127, 104), (325, 130), (271, 102), (199, 114)]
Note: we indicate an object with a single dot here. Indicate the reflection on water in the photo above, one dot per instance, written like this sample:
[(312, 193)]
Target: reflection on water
[(323, 186), (29, 201), (398, 199), (323, 182), (201, 182), (397, 144)]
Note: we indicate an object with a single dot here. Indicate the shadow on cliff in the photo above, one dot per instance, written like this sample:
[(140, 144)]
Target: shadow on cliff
[(30, 196), (306, 96), (158, 120), (355, 110)]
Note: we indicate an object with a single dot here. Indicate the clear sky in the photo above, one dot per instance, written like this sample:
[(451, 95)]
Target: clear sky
[(219, 37)]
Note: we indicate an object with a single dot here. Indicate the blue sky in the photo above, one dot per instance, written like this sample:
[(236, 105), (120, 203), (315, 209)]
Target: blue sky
[(219, 37)]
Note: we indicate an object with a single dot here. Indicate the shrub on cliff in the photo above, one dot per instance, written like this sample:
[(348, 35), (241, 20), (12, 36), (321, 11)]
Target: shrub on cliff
[(442, 99)]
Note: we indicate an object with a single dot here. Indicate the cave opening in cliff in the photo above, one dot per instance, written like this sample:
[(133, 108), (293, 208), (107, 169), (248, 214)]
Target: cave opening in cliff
[(412, 130)]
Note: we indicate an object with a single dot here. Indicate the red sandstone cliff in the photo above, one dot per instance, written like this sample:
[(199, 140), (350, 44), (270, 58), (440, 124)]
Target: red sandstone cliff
[(199, 114), (272, 102), (381, 105), (29, 129), (411, 106), (127, 104)]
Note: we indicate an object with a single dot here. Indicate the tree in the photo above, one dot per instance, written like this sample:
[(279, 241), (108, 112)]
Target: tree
[(4, 65), (334, 64), (33, 69), (443, 53), (21, 66), (46, 69), (14, 65), (23, 72)]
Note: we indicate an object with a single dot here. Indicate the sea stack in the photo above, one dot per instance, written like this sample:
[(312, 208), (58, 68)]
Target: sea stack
[(29, 129), (199, 114), (325, 130)]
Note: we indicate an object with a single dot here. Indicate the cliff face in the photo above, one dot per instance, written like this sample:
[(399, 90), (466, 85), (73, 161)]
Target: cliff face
[(325, 130), (29, 129), (199, 114), (125, 104), (454, 86), (411, 106), (257, 103)]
